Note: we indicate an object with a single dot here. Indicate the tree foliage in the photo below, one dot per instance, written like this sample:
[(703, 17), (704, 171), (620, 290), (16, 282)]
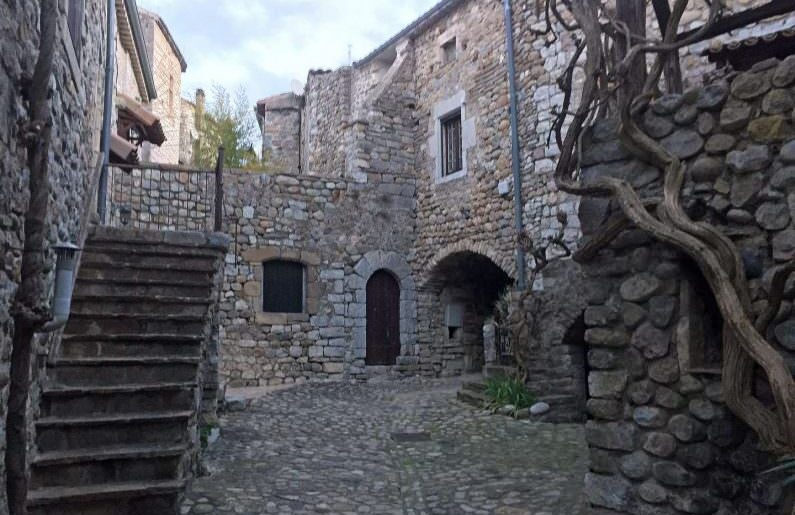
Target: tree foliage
[(228, 121)]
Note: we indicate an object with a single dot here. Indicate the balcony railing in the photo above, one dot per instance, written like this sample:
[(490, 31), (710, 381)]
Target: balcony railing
[(158, 196)]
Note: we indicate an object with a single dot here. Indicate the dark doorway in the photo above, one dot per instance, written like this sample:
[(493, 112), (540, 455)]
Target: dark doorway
[(383, 319)]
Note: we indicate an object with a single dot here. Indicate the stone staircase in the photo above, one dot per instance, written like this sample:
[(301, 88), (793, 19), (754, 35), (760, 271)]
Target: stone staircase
[(117, 429)]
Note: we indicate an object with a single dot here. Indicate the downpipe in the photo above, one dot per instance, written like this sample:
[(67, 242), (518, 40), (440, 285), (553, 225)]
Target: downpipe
[(521, 273), (110, 59)]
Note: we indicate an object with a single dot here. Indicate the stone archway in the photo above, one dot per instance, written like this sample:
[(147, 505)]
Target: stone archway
[(505, 263), (393, 263), (459, 293)]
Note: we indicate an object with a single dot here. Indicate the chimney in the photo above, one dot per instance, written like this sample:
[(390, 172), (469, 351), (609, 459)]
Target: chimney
[(199, 113)]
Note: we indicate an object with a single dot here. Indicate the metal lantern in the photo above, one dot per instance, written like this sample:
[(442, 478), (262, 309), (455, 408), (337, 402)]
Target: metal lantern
[(66, 263)]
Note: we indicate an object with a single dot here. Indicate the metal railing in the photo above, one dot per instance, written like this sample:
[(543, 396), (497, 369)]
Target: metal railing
[(158, 196)]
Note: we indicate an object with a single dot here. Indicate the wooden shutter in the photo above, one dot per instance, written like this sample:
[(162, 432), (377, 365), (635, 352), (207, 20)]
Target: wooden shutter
[(282, 287)]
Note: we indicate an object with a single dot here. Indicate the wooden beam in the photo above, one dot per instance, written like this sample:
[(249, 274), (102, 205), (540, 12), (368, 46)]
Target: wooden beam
[(741, 19)]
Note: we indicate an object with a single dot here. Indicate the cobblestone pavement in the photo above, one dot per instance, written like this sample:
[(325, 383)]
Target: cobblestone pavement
[(334, 448)]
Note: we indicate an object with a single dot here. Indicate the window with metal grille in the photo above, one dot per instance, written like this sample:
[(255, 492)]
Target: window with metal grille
[(283, 287), (74, 20), (452, 151)]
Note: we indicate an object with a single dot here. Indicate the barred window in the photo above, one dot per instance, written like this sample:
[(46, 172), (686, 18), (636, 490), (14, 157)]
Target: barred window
[(74, 21), (452, 151), (283, 287)]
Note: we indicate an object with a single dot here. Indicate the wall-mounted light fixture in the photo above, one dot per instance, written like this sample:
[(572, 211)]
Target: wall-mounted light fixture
[(124, 214), (66, 263)]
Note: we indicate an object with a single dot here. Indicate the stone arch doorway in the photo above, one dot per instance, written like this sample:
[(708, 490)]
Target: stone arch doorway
[(393, 264), (383, 319), (462, 289)]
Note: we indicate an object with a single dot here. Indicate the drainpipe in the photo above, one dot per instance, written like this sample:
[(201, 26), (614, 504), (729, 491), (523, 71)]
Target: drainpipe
[(521, 278), (110, 59)]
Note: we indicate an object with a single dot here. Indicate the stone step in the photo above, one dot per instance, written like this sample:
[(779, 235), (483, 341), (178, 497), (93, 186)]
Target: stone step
[(147, 257), (110, 465), (119, 371), (474, 386), (494, 371), (133, 248), (125, 323), (140, 305), (103, 287), (145, 276), (187, 240), (105, 258), (474, 399), (137, 497), (60, 401), (98, 431), (121, 349)]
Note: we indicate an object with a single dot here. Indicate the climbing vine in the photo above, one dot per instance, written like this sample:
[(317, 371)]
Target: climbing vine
[(622, 73)]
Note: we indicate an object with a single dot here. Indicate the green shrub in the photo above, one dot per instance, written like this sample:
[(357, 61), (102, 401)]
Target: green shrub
[(501, 391)]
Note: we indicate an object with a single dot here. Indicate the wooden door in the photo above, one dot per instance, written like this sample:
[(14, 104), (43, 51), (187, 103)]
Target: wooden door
[(383, 319)]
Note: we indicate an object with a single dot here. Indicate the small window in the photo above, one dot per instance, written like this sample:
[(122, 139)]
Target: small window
[(452, 151), (283, 287), (74, 20), (449, 51)]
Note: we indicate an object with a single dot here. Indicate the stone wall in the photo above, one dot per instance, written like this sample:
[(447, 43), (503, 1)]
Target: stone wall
[(161, 199), (661, 439), (188, 134), (280, 119), (167, 72), (76, 117), (342, 231), (326, 111)]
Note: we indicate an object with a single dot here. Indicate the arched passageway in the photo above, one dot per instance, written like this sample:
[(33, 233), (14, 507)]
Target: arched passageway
[(461, 291)]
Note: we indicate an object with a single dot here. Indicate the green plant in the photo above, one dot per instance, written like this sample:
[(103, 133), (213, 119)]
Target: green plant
[(204, 434), (501, 391)]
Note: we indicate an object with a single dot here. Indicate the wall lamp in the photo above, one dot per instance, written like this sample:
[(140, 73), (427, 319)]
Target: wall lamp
[(65, 266)]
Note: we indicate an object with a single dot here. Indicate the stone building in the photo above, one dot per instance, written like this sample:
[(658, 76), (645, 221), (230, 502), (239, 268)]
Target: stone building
[(149, 70), (92, 419), (168, 65), (76, 111), (389, 236), (424, 116)]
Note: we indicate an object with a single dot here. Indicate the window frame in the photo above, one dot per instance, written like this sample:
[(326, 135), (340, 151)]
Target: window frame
[(449, 50), (303, 289), (451, 124)]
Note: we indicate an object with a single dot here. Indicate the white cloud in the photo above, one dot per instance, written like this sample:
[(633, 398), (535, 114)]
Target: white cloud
[(264, 44)]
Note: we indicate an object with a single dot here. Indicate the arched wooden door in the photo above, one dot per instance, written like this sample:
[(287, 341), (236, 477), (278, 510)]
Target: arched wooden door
[(383, 319)]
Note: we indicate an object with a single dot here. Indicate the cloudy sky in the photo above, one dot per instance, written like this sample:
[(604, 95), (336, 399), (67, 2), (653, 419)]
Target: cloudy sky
[(266, 44)]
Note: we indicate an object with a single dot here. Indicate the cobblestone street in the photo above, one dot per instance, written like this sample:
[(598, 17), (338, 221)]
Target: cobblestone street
[(403, 447)]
